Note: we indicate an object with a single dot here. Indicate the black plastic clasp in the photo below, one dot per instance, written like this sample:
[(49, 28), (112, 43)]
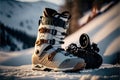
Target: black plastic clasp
[(53, 32), (52, 42)]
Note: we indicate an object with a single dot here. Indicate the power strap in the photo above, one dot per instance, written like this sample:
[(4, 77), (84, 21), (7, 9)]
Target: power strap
[(51, 31), (45, 30)]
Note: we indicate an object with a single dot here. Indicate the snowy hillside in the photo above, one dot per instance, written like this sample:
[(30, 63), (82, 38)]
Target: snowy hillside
[(19, 23)]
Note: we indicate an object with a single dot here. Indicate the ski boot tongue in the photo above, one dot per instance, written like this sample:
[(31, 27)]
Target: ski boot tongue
[(49, 12)]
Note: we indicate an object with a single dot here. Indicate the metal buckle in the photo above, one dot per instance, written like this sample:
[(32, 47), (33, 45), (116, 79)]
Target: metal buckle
[(45, 30)]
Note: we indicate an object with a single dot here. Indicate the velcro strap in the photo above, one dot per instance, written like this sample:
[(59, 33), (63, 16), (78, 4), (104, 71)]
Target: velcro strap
[(50, 41), (52, 55), (45, 30)]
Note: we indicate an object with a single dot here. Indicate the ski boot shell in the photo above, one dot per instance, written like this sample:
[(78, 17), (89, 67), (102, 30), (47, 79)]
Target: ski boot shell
[(48, 54)]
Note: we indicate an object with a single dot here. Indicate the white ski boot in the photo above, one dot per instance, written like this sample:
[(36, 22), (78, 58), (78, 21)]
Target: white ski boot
[(48, 54)]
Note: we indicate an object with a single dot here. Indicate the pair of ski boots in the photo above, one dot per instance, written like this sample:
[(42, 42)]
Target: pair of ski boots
[(87, 51), (48, 54)]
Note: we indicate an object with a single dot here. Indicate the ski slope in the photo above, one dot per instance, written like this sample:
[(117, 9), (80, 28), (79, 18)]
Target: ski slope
[(20, 19), (24, 72)]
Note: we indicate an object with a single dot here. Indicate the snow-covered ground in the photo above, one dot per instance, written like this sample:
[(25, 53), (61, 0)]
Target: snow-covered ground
[(17, 66), (24, 72), (103, 30)]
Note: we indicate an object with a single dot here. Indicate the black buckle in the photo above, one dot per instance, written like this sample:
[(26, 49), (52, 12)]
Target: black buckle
[(53, 31), (52, 42), (59, 23)]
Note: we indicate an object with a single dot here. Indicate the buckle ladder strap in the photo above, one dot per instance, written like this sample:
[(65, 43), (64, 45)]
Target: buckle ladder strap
[(52, 54), (45, 30), (50, 41), (51, 31)]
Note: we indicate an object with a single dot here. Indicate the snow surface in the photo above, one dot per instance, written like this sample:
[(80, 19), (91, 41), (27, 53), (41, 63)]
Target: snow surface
[(103, 30), (24, 72)]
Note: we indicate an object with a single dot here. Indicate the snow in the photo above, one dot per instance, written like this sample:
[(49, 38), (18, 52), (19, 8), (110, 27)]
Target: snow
[(103, 30), (112, 47), (16, 58), (25, 72), (23, 16), (20, 17)]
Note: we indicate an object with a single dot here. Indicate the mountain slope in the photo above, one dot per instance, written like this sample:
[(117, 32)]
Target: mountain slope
[(12, 40), (23, 16), (19, 23)]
